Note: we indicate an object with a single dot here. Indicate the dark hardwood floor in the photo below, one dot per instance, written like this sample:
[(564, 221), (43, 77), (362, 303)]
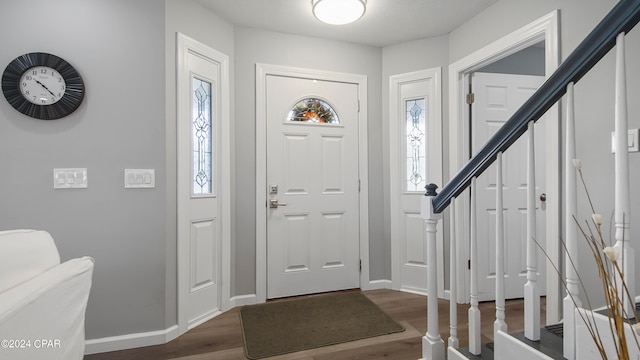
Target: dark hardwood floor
[(221, 337)]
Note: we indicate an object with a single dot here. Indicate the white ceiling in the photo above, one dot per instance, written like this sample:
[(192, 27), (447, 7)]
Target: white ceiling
[(385, 22)]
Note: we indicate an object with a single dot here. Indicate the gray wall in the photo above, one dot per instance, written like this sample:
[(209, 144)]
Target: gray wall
[(118, 48), (529, 61)]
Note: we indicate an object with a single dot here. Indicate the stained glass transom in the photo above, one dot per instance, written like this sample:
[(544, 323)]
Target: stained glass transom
[(415, 139), (202, 156), (313, 110)]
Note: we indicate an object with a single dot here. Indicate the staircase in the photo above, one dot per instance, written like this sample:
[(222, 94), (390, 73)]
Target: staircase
[(569, 340)]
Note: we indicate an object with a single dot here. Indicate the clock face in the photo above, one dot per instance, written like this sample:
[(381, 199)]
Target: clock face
[(42, 85)]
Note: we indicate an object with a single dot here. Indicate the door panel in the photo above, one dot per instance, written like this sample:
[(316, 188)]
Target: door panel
[(201, 169), (415, 159), (497, 97), (203, 250), (203, 293), (312, 172)]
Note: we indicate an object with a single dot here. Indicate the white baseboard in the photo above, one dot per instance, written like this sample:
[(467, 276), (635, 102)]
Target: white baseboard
[(414, 291), (203, 319), (242, 300), (130, 341), (377, 284)]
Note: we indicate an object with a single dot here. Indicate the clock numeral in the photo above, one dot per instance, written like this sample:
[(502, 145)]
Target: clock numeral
[(34, 72), (24, 84), (27, 92), (43, 71)]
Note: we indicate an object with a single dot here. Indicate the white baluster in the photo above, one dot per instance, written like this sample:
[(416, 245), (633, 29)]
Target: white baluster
[(571, 238), (432, 343), (474, 312), (531, 292), (453, 301), (622, 208), (500, 323)]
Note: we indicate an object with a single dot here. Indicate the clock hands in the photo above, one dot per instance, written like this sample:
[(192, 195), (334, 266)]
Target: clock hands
[(46, 88)]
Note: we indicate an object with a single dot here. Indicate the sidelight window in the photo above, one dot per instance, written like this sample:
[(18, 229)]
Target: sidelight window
[(415, 139), (202, 128)]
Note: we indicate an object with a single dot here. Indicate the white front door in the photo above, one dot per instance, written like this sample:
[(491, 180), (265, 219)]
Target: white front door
[(203, 180), (312, 186), (497, 97)]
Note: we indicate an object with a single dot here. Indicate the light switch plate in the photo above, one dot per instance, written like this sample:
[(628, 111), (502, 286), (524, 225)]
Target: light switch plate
[(139, 178), (633, 142), (70, 178)]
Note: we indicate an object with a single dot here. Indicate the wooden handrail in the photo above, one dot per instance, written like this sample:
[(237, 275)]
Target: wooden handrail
[(622, 18)]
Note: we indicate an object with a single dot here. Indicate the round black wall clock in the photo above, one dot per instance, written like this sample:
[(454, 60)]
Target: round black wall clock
[(42, 86)]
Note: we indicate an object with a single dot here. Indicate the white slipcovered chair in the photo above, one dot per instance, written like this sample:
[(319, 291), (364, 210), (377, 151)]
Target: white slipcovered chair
[(42, 302)]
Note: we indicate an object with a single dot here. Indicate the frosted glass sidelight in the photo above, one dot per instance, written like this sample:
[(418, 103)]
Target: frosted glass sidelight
[(202, 156)]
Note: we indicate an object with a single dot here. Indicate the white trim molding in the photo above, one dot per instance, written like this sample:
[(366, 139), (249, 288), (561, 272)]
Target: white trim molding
[(130, 341), (379, 284)]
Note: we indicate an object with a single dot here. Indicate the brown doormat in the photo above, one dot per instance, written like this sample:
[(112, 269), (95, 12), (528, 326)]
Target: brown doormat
[(291, 325)]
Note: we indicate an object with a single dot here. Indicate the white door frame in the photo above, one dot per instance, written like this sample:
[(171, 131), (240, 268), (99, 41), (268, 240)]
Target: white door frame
[(262, 71), (185, 46), (546, 28), (434, 161)]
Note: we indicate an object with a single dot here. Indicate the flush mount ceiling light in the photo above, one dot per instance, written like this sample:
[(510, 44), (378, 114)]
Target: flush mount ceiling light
[(338, 12)]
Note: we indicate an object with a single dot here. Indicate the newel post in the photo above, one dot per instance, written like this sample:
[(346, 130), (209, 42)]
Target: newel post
[(432, 343)]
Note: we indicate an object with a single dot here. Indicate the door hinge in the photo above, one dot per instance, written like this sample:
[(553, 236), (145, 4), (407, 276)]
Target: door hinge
[(360, 266), (469, 264), (358, 105), (471, 98), (359, 185)]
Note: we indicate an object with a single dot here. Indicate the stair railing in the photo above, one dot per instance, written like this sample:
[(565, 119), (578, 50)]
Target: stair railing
[(620, 20)]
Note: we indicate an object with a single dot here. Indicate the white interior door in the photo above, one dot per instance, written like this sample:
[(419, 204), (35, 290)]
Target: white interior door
[(497, 97), (313, 186), (203, 180)]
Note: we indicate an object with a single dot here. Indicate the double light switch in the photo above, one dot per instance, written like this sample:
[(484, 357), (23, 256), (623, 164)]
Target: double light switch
[(139, 178)]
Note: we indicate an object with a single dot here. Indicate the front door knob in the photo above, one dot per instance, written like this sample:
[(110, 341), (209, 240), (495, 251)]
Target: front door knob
[(273, 203)]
